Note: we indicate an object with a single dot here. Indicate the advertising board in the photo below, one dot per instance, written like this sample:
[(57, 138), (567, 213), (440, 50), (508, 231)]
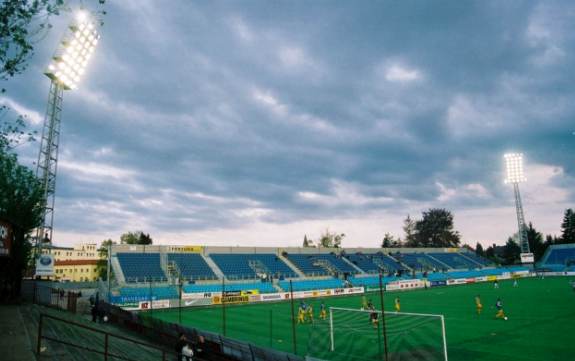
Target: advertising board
[(146, 305), (437, 283), (198, 295), (457, 281), (45, 265), (404, 285), (5, 238), (527, 258)]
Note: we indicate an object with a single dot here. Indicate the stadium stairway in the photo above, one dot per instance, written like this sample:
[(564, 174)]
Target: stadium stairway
[(217, 271), (479, 265), (115, 264), (291, 265), (353, 265), (14, 338), (401, 263), (440, 262), (277, 286)]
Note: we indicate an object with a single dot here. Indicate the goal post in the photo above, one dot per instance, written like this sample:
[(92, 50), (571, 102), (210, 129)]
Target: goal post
[(411, 336)]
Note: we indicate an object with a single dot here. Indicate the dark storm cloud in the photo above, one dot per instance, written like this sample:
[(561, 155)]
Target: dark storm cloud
[(210, 115)]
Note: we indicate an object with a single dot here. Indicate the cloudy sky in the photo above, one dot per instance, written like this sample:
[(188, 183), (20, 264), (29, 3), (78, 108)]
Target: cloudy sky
[(256, 122)]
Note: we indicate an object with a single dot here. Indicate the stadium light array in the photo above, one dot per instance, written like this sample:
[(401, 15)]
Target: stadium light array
[(71, 59), (67, 67), (514, 166), (514, 176)]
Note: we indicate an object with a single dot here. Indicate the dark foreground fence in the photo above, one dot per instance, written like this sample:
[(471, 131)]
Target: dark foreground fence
[(49, 294), (215, 346), (110, 346)]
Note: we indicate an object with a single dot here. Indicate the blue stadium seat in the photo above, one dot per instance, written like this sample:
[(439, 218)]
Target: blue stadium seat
[(563, 254), (304, 262), (263, 287), (483, 261), (363, 261), (389, 264), (337, 262), (141, 267), (192, 266), (311, 264), (237, 265), (419, 261), (454, 260)]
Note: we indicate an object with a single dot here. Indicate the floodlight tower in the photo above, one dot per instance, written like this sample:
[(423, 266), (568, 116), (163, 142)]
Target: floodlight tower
[(68, 65), (514, 166)]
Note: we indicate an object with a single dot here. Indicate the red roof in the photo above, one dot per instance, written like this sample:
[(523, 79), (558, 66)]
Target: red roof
[(76, 262)]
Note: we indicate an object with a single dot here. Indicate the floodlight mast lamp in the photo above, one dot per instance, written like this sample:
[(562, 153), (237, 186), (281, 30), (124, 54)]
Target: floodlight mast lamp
[(68, 65), (514, 167)]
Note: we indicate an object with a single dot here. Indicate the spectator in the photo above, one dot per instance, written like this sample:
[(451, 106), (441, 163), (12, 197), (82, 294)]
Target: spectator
[(94, 313), (94, 307), (187, 352), (199, 346), (180, 344)]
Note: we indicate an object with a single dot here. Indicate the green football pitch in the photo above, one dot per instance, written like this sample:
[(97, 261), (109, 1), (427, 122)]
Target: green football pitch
[(540, 325)]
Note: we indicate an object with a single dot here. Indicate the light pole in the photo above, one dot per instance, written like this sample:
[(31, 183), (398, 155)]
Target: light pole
[(68, 64), (515, 175)]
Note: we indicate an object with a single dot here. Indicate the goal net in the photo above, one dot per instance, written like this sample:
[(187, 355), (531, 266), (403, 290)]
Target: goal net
[(351, 334)]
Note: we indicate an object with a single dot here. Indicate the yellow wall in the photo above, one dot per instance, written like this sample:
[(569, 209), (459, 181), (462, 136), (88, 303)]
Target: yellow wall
[(76, 273)]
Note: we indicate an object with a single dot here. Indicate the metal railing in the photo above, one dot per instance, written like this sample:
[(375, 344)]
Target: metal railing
[(107, 336), (216, 346)]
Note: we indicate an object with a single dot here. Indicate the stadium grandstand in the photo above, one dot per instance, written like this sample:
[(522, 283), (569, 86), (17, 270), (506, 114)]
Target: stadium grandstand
[(161, 272), (558, 258)]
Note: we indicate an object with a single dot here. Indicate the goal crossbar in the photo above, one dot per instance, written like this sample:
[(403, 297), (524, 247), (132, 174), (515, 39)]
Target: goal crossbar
[(386, 312), (437, 316)]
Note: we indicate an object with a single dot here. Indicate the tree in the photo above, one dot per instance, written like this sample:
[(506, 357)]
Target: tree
[(535, 240), (129, 238), (568, 227), (551, 240), (490, 253), (409, 230), (20, 23), (388, 241), (145, 238), (307, 242), (137, 237), (102, 266), (511, 252), (468, 247), (435, 229), (479, 249), (331, 240), (21, 205)]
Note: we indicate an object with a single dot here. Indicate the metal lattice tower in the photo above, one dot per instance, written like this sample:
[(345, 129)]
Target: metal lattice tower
[(47, 165), (522, 228), (68, 65)]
